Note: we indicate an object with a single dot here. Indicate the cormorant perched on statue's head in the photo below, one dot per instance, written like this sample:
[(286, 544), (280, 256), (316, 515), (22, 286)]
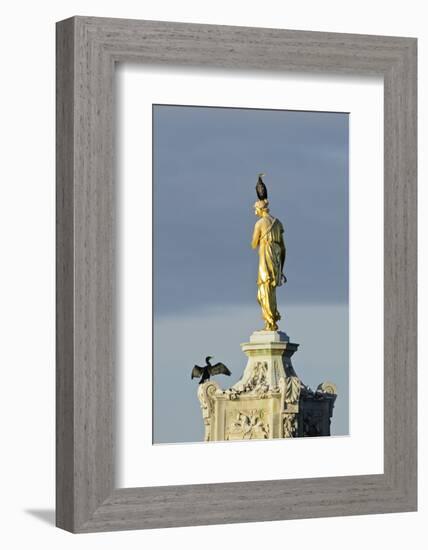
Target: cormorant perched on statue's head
[(261, 189)]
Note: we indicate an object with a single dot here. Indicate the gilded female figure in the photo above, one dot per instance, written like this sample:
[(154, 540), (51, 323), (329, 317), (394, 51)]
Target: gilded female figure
[(268, 236)]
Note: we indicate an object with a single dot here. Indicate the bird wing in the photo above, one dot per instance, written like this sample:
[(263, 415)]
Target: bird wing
[(218, 368), (197, 372)]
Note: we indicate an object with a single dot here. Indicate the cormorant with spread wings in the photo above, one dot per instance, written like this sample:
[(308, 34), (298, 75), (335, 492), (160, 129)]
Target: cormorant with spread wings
[(209, 370)]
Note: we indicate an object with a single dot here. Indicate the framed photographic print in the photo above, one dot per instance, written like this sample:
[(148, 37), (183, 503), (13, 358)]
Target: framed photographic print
[(236, 274)]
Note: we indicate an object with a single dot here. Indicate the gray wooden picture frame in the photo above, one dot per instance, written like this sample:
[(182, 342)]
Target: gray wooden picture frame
[(87, 50)]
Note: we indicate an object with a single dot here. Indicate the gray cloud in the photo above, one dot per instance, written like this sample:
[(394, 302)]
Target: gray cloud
[(206, 162)]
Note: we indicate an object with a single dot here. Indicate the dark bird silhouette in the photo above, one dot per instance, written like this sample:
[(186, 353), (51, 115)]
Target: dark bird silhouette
[(261, 189), (209, 370)]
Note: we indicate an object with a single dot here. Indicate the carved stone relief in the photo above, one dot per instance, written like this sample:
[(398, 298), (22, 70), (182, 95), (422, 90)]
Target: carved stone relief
[(292, 389), (290, 425), (312, 424), (248, 424)]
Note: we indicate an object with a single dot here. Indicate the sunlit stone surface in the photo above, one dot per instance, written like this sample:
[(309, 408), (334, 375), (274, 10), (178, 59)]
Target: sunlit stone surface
[(269, 401)]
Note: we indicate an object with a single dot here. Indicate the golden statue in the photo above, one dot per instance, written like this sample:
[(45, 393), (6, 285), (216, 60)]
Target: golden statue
[(268, 236)]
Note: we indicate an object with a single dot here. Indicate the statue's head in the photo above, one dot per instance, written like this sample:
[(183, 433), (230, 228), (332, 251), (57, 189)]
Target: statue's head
[(261, 207)]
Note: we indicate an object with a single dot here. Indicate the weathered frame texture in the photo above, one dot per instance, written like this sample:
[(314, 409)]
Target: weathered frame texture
[(87, 50)]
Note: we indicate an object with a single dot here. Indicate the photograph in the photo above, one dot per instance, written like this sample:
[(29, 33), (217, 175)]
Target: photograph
[(210, 266), (250, 273)]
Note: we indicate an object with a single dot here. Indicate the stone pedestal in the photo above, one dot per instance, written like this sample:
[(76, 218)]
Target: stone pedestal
[(269, 401)]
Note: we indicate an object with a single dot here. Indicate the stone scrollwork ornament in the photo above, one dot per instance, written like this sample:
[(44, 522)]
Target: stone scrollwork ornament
[(206, 394), (327, 387)]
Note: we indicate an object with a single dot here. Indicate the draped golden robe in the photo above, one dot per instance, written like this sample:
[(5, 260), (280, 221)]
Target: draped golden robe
[(268, 236)]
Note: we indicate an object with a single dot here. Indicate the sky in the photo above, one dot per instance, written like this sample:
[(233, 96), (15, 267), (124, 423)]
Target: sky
[(206, 163)]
